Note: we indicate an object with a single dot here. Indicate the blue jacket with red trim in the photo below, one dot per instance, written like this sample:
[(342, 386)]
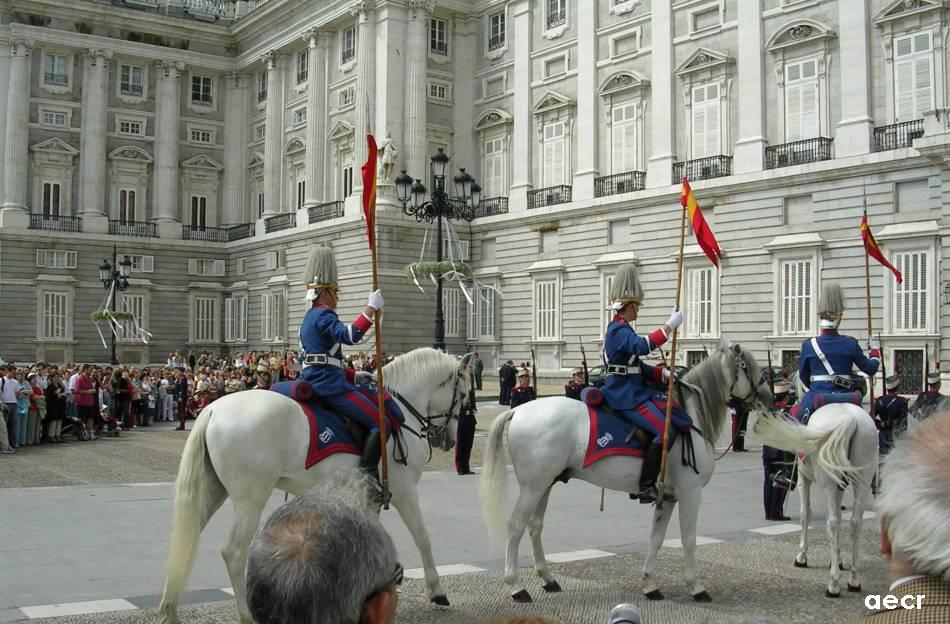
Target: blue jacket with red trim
[(623, 347), (843, 353), (323, 332)]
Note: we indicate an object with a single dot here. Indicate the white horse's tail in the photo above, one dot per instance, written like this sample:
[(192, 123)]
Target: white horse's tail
[(829, 447), (493, 484), (198, 494)]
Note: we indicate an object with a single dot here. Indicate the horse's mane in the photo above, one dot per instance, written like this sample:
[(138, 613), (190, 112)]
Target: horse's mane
[(709, 377), (419, 367)]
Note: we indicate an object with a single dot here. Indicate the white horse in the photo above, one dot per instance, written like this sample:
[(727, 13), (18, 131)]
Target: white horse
[(548, 438), (246, 444), (840, 444)]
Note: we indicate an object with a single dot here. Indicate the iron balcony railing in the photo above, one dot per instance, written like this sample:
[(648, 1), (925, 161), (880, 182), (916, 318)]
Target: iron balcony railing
[(626, 182), (325, 212), (58, 80), (284, 221), (898, 135), (240, 231), (557, 18), (440, 47), (348, 55), (798, 153), (703, 168), (492, 206), (142, 229), (496, 42), (549, 196), (209, 234), (55, 223)]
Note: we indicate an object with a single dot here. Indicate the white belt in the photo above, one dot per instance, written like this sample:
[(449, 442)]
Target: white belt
[(321, 359), (618, 369)]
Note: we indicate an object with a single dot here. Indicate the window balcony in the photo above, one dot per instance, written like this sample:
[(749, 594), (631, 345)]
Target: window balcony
[(626, 182), (549, 196), (491, 206), (208, 234), (325, 212), (58, 80), (55, 223), (285, 221), (141, 229), (703, 168), (557, 18), (496, 43), (348, 55), (898, 135), (440, 47), (240, 231), (798, 153)]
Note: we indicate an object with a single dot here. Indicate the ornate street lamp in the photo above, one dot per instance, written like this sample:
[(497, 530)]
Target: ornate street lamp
[(412, 195), (115, 277)]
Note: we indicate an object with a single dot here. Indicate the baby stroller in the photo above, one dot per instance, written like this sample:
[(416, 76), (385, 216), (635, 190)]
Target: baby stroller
[(111, 426), (74, 425)]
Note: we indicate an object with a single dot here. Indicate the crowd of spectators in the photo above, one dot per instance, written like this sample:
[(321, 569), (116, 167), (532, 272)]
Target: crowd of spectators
[(37, 399)]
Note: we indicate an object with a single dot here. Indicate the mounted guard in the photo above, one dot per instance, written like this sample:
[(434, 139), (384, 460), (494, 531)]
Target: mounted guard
[(826, 361), (625, 389)]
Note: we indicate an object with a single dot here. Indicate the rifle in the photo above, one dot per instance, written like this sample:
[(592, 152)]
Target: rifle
[(883, 365), (534, 372), (768, 355), (580, 343)]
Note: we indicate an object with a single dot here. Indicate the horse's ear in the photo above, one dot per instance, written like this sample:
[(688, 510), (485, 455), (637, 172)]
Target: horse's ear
[(737, 349), (724, 343), (466, 362)]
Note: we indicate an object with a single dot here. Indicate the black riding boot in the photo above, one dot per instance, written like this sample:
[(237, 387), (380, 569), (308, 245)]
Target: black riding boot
[(648, 474), (369, 463)]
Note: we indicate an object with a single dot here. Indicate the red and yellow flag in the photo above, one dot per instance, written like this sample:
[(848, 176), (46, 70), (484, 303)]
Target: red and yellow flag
[(368, 171), (872, 249), (704, 235)]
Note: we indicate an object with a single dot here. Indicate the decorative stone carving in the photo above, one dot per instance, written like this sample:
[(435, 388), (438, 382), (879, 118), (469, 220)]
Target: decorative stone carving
[(801, 31)]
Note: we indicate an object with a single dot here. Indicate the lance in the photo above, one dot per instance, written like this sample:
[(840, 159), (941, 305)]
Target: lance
[(534, 373), (867, 292)]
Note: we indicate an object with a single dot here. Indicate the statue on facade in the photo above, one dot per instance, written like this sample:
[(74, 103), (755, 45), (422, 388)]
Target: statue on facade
[(387, 160)]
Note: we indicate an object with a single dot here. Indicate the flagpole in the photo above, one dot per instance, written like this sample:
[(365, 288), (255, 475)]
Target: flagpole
[(867, 292), (660, 485)]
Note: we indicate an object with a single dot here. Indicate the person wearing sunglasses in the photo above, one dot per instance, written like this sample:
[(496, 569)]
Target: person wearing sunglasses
[(325, 558)]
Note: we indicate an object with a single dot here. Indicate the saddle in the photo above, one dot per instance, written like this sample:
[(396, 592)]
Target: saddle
[(330, 433)]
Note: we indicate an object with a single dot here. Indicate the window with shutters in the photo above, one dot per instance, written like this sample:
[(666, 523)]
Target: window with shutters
[(202, 90), (127, 205), (134, 304), (235, 318), (624, 147), (206, 267), (199, 212), (701, 303), (204, 319), (348, 45), (554, 148), (913, 76), (497, 30), (450, 307), (55, 315), (131, 81), (55, 259), (607, 282), (142, 264), (546, 305), (912, 296), (56, 70), (301, 193), (481, 314), (272, 317), (796, 296), (52, 192), (801, 100), (438, 37), (494, 168), (706, 121), (346, 177)]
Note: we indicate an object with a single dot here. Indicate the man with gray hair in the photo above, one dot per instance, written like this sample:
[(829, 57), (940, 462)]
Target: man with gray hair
[(914, 506), (324, 558)]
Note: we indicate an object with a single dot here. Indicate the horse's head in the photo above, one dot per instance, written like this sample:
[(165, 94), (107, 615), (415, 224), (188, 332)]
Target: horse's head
[(747, 381)]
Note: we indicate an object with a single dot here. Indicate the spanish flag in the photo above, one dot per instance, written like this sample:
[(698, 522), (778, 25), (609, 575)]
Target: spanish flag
[(704, 236), (368, 171), (872, 249)]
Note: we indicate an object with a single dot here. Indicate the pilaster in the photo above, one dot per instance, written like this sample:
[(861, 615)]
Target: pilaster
[(520, 12), (587, 126), (5, 82), (92, 140), (235, 142), (749, 152), (856, 127), (365, 85), (316, 118), (165, 201), (463, 96), (15, 213), (660, 163), (417, 90), (273, 135)]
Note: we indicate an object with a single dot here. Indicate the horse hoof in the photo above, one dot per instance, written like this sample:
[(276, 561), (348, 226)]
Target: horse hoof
[(439, 600), (801, 564), (829, 594), (552, 587), (702, 596), (521, 596), (854, 588), (656, 594)]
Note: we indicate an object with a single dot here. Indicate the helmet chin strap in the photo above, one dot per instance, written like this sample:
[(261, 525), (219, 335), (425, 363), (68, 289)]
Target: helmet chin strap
[(828, 324)]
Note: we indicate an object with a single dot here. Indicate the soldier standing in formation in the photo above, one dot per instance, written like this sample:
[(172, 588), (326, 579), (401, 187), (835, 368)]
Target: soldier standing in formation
[(523, 392), (465, 435), (927, 400), (777, 463), (573, 388), (891, 411), (506, 381)]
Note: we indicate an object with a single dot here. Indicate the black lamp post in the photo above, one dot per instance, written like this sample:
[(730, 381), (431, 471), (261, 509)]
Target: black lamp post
[(439, 206), (115, 275)]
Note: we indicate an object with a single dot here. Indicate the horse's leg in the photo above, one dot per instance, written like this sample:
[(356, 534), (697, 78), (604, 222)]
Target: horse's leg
[(528, 500), (804, 491), (833, 496), (661, 520), (861, 502), (406, 501), (247, 511), (689, 517), (535, 526)]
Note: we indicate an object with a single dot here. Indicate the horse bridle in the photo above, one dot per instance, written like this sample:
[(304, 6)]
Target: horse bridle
[(436, 434)]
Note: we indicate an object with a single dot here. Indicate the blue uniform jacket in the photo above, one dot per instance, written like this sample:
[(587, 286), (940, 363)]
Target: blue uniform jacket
[(843, 353), (623, 347), (323, 332)]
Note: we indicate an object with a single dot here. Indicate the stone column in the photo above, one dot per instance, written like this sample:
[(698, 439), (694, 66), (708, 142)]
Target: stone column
[(463, 96), (235, 144), (522, 128), (588, 121), (92, 141), (4, 82), (365, 89), (856, 127), (417, 55), (315, 167), (660, 163), (14, 213), (166, 211), (273, 135), (750, 148)]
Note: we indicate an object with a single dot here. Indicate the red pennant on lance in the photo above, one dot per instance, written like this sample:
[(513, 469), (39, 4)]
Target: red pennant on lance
[(872, 249), (368, 171), (704, 235)]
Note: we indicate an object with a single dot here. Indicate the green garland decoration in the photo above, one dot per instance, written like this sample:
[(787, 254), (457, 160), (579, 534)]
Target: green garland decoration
[(423, 269), (104, 315)]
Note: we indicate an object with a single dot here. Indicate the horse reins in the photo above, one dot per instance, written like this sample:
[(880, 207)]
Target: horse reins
[(428, 429)]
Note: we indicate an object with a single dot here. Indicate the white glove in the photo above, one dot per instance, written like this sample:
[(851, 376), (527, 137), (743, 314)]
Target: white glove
[(666, 375), (874, 345), (375, 300), (676, 319), (363, 377)]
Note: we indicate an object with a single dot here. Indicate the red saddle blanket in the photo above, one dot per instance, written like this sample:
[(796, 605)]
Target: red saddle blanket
[(329, 435)]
